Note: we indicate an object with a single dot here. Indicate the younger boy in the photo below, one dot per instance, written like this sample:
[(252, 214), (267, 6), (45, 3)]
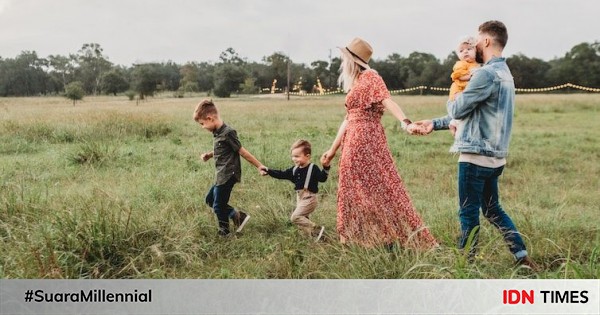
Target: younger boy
[(227, 151), (306, 177)]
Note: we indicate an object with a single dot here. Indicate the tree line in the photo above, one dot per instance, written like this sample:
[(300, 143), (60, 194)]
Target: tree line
[(91, 73)]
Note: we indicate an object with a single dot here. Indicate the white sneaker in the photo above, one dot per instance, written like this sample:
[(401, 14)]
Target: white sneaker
[(241, 222), (320, 235)]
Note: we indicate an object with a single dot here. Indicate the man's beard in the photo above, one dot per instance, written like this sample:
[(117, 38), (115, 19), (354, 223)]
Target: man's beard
[(478, 56)]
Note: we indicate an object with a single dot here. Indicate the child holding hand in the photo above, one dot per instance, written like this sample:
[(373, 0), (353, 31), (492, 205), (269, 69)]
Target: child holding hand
[(227, 150), (306, 177)]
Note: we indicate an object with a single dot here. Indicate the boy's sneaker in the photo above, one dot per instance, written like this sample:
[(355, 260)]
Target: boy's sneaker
[(320, 233), (223, 229), (240, 220), (223, 234), (528, 262)]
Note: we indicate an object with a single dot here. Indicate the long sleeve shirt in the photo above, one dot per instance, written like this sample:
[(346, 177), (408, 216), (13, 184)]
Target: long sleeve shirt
[(298, 177)]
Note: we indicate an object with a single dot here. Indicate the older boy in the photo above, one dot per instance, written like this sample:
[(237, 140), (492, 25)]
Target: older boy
[(227, 151)]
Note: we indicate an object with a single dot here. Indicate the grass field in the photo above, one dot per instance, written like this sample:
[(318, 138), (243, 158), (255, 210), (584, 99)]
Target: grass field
[(111, 189)]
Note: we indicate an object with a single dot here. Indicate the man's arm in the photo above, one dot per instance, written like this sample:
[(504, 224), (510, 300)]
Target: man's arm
[(479, 88), (441, 123)]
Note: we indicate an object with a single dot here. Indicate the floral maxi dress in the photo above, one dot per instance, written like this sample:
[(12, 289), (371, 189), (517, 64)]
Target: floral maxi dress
[(374, 207)]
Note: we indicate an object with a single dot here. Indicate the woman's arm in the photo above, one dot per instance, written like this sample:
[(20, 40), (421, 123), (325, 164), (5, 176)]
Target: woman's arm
[(397, 112), (328, 156)]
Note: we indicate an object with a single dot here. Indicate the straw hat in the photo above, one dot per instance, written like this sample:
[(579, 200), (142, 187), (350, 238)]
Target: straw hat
[(360, 51)]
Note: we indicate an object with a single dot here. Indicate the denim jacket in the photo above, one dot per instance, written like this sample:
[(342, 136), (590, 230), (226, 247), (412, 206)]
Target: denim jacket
[(486, 110)]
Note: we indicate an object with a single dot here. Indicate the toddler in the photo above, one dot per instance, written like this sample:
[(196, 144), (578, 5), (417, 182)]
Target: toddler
[(461, 73), (306, 177)]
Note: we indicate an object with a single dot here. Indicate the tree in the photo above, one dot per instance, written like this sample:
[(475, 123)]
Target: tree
[(528, 72), (420, 68), (249, 86), (170, 76), (261, 73), (24, 75), (189, 77), (205, 76), (580, 66), (277, 64), (443, 79), (228, 78), (392, 71), (62, 69), (146, 79), (231, 56), (74, 91), (321, 71), (304, 75), (92, 64), (333, 72), (114, 82)]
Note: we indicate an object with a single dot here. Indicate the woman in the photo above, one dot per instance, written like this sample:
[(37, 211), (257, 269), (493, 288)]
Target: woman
[(373, 205)]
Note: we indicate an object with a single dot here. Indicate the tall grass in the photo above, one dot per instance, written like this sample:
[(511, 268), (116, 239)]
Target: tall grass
[(108, 189)]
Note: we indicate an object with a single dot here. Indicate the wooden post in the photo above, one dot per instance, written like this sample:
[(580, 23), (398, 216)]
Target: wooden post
[(288, 79)]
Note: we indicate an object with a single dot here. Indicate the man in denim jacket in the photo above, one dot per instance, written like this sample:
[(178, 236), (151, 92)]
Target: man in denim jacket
[(486, 110)]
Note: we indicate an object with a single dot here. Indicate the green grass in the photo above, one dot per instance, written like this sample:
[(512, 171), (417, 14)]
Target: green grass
[(111, 189)]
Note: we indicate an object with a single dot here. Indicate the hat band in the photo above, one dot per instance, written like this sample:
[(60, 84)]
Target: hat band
[(355, 55)]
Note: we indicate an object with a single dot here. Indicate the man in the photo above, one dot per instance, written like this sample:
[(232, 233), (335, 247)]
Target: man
[(485, 109)]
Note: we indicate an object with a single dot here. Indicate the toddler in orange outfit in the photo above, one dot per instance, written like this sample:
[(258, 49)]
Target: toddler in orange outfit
[(462, 71)]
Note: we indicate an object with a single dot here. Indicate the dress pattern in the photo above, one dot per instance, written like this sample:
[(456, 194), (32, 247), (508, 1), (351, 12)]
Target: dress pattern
[(374, 207)]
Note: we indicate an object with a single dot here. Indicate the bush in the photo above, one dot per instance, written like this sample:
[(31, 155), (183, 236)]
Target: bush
[(74, 91), (130, 94)]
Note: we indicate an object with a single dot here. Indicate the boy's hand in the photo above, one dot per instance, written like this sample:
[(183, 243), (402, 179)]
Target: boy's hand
[(206, 156), (263, 170), (327, 157)]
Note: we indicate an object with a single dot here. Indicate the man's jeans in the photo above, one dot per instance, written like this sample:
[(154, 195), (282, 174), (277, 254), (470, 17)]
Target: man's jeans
[(478, 188), (218, 199)]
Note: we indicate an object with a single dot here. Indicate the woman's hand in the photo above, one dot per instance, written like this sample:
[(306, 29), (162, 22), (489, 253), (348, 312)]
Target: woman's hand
[(422, 127), (327, 157)]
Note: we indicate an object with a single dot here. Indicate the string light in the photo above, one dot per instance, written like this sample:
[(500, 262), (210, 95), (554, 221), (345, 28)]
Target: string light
[(443, 89)]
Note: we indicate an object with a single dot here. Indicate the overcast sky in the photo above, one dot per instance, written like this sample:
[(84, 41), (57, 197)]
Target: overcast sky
[(135, 31)]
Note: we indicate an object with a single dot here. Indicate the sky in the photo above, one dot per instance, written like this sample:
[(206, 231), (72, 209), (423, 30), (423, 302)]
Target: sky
[(138, 31)]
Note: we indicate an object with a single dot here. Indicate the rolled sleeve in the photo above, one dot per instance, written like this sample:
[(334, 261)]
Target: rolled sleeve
[(233, 141), (441, 123), (479, 89)]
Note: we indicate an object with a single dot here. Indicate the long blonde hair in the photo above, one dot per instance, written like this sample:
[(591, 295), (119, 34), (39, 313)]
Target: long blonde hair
[(349, 71)]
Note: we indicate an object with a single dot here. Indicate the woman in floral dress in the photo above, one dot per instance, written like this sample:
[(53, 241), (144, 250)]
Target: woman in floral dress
[(374, 207)]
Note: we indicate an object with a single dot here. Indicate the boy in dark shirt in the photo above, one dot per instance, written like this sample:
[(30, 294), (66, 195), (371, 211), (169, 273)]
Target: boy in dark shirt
[(227, 151), (306, 177)]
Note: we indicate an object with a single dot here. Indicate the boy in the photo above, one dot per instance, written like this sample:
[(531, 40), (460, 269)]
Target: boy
[(227, 151), (306, 177)]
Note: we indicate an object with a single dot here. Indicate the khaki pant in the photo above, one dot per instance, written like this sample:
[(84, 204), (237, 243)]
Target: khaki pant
[(306, 203)]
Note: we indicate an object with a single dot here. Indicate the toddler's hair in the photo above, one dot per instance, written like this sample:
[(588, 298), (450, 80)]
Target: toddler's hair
[(469, 40), (204, 109), (305, 145)]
